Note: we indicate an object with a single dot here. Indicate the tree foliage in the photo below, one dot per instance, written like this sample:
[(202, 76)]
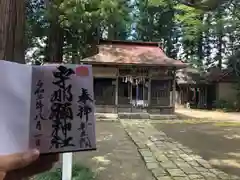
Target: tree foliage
[(202, 38), (71, 29), (68, 30)]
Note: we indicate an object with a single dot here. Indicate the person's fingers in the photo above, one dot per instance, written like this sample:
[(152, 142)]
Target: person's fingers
[(49, 157), (33, 169), (42, 164), (2, 175), (45, 159), (18, 160)]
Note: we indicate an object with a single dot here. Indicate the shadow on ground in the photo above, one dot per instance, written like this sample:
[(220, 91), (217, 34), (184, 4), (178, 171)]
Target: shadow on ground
[(116, 157), (218, 144)]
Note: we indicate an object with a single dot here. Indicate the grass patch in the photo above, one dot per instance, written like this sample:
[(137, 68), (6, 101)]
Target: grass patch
[(79, 172), (227, 124)]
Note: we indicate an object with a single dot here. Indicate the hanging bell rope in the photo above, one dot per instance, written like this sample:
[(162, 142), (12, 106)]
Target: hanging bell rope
[(134, 80)]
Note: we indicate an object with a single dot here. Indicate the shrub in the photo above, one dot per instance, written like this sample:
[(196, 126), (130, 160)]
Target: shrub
[(226, 105), (79, 172)]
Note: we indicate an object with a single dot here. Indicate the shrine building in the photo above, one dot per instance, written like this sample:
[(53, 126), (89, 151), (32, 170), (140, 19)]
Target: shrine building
[(133, 77)]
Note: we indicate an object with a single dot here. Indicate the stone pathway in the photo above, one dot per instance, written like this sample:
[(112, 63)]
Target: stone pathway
[(116, 157), (168, 159)]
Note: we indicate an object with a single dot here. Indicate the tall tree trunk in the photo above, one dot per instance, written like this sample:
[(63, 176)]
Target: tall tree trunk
[(200, 42), (170, 30), (12, 23), (92, 39), (150, 27), (219, 36), (200, 52), (55, 43), (219, 47), (54, 48), (112, 31), (207, 41)]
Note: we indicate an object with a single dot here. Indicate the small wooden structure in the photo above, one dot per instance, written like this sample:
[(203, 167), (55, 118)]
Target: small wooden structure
[(192, 88), (133, 77), (203, 90)]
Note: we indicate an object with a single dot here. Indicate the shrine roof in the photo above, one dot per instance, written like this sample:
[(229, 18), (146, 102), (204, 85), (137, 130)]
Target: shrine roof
[(224, 75), (134, 53), (215, 75), (190, 76)]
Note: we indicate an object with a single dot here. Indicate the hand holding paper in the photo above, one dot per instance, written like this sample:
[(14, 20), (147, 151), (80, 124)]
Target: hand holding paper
[(46, 107)]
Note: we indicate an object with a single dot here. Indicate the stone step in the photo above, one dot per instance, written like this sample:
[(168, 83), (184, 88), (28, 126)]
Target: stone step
[(108, 120), (163, 117), (106, 116), (115, 117), (133, 115)]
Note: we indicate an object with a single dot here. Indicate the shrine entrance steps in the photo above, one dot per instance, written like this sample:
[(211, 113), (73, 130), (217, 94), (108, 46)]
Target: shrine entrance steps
[(163, 117), (127, 115), (140, 115)]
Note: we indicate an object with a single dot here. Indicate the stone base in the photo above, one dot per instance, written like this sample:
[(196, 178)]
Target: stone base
[(113, 113), (133, 115), (163, 117), (161, 110), (116, 117), (106, 116), (168, 110), (106, 109)]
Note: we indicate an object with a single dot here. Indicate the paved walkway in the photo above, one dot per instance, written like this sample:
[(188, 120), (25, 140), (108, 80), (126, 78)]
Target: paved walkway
[(204, 114), (168, 159), (116, 158), (218, 143)]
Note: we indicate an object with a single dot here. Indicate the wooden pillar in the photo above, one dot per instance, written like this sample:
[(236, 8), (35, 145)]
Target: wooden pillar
[(199, 97), (130, 84), (143, 93), (174, 90), (170, 92), (116, 91), (206, 97), (149, 91)]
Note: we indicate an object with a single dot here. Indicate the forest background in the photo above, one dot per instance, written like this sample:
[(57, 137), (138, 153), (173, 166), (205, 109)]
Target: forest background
[(68, 30)]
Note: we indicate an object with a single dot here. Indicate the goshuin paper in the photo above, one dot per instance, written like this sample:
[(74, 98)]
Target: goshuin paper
[(47, 107)]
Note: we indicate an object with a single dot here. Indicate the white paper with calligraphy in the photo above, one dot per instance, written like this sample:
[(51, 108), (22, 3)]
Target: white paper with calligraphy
[(56, 109)]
